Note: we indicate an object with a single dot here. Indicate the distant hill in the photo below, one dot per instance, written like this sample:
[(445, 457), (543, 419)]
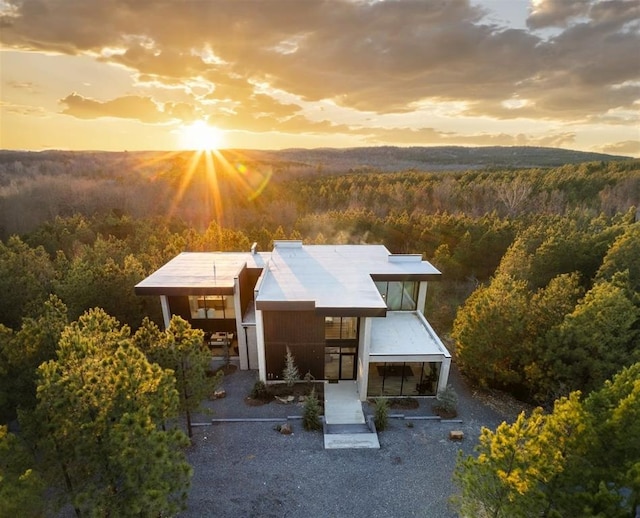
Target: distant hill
[(293, 162), (389, 158)]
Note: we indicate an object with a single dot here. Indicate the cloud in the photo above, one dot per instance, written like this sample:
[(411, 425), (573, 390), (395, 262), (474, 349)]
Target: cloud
[(430, 136), (26, 86), (22, 109), (380, 57), (556, 13), (143, 109), (626, 147)]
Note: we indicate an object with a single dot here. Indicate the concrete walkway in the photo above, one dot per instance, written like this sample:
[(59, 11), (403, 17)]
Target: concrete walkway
[(344, 422)]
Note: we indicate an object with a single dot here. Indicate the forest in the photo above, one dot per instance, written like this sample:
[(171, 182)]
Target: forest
[(539, 298)]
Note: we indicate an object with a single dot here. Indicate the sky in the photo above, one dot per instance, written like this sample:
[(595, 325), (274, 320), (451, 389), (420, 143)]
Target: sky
[(270, 74)]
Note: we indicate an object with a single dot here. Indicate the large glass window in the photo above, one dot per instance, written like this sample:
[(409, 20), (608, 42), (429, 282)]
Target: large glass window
[(403, 379), (211, 306), (340, 328), (399, 295)]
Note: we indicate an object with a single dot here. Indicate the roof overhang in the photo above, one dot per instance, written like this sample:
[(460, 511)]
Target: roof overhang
[(200, 273)]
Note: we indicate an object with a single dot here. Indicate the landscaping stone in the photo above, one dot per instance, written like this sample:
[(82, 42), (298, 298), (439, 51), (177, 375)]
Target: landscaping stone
[(456, 435), (219, 394), (285, 429)]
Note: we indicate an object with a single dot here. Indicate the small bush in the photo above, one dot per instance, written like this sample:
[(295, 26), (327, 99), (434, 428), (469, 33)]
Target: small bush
[(381, 413), (447, 402), (311, 412), (260, 391)]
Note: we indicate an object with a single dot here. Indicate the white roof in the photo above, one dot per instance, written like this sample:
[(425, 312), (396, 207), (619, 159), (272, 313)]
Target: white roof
[(323, 276), (406, 334), (200, 270), (334, 276)]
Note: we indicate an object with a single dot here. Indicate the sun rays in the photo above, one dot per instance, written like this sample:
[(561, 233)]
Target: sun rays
[(215, 180)]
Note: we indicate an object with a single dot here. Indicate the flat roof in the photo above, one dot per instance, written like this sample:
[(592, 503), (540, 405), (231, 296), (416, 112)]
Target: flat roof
[(407, 334), (336, 278), (200, 273)]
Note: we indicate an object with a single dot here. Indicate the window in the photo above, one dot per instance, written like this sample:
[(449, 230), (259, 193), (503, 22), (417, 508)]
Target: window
[(399, 295), (403, 379), (340, 328), (208, 306)]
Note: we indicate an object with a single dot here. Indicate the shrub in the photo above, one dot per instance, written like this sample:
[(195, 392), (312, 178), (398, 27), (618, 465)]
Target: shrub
[(447, 402), (260, 391), (311, 412), (381, 413)]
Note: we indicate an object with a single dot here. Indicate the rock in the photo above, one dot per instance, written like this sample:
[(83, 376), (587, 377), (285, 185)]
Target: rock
[(285, 400), (219, 394), (285, 429), (456, 435)]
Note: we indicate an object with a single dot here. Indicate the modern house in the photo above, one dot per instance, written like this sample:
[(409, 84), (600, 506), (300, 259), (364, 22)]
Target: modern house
[(346, 312)]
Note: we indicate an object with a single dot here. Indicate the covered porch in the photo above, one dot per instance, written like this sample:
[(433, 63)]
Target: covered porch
[(406, 358)]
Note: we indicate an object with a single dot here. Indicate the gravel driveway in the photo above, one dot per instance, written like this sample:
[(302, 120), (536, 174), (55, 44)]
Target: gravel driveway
[(247, 469)]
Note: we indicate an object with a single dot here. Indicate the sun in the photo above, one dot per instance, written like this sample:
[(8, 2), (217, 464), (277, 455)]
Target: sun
[(201, 136)]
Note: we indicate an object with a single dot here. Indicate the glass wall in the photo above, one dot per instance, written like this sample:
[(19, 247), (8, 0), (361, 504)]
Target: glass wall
[(399, 295), (403, 379), (340, 328), (211, 306)]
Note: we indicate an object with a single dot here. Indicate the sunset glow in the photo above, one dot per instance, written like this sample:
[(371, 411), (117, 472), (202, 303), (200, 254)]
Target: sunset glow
[(284, 74), (200, 136)]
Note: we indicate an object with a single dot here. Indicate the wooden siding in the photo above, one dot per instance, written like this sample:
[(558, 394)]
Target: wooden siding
[(303, 333), (247, 280)]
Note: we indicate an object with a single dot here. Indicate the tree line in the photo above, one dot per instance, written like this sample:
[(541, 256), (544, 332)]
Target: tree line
[(539, 297)]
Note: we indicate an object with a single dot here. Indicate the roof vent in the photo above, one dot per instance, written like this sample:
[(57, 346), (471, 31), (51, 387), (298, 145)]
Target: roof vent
[(254, 247)]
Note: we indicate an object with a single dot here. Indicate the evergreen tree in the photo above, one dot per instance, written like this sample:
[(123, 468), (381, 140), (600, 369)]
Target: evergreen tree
[(21, 486), (97, 424), (614, 459), (518, 469), (311, 412), (290, 373), (623, 256), (592, 342), (490, 332), (26, 276), (23, 351), (181, 349)]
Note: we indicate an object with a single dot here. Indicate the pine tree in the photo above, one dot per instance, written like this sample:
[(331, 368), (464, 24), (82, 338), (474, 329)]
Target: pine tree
[(181, 349), (290, 374), (518, 470), (311, 412), (21, 486), (101, 406)]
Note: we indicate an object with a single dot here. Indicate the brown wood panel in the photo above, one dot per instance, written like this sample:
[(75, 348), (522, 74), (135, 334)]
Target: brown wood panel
[(303, 333), (247, 280)]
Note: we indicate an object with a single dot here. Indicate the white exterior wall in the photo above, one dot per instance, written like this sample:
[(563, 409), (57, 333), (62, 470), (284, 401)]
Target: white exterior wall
[(241, 337), (166, 314), (262, 361), (364, 346), (422, 296), (444, 374)]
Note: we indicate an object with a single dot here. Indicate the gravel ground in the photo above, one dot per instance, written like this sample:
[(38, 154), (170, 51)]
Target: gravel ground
[(247, 469)]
